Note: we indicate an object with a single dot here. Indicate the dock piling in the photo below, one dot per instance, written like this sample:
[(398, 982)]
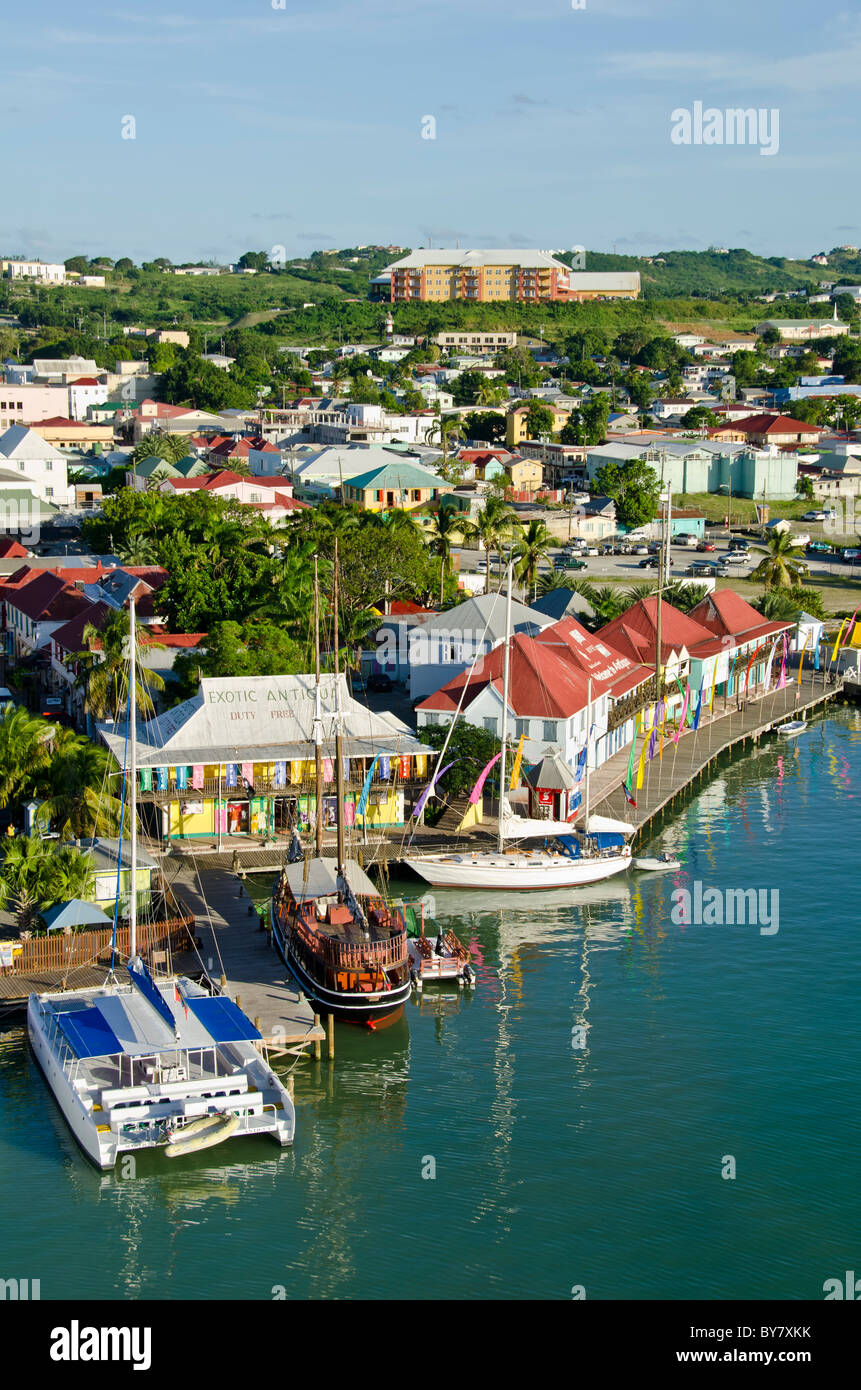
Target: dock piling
[(318, 1051), (330, 1035)]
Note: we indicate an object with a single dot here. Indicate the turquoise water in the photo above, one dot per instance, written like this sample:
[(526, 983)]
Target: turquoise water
[(556, 1166)]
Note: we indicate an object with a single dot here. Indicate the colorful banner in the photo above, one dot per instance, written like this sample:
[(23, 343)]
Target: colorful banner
[(849, 627), (231, 774), (197, 777), (696, 723), (349, 812), (420, 804), (328, 770), (475, 794), (421, 765), (683, 713), (744, 684), (405, 767), (629, 778), (248, 773), (714, 683), (801, 656), (181, 778), (385, 767), (280, 774), (641, 770), (366, 786), (514, 783), (161, 776), (146, 779)]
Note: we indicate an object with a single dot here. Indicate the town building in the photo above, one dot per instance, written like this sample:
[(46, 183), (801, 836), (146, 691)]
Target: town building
[(399, 484), (38, 463), (477, 344), (237, 758), (804, 330), (42, 271), (500, 276)]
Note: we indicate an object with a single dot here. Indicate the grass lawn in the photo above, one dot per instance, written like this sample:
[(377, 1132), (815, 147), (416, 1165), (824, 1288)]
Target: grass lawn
[(714, 507)]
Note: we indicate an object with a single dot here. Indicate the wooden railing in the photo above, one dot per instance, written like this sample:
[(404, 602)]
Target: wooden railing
[(59, 952)]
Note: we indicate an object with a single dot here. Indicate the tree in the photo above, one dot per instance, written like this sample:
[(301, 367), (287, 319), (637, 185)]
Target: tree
[(170, 447), (35, 875), (445, 530), (699, 416), (254, 260), (493, 525), (78, 798), (539, 420), (465, 389), (104, 669), (124, 265), (595, 413), (78, 265), (469, 750), (25, 752), (484, 426), (804, 486), (530, 548), (443, 427), (782, 566), (634, 487)]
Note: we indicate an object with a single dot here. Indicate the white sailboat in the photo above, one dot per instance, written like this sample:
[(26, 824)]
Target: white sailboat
[(566, 859), (155, 1063)]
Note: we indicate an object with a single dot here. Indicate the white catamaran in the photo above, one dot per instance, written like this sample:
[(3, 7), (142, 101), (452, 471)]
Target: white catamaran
[(155, 1063), (566, 859)]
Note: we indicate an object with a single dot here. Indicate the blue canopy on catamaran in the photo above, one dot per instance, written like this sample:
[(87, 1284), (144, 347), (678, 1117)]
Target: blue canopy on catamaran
[(88, 1033), (221, 1019)]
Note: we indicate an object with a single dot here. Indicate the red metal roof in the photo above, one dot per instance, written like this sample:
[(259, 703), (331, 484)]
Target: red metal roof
[(775, 424), (634, 633)]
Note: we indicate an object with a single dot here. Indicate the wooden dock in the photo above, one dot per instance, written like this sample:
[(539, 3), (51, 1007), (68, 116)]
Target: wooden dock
[(685, 763), (233, 943)]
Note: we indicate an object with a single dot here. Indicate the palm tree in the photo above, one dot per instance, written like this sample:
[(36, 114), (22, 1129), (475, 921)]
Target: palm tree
[(137, 550), (104, 675), (170, 447), (606, 601), (25, 751), (442, 427), (493, 525), (684, 596), (35, 875), (531, 548), (443, 531), (76, 789), (781, 568)]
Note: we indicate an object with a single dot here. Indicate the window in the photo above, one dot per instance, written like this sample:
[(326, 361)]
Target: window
[(521, 728), (49, 467), (49, 492), (489, 725), (549, 734)]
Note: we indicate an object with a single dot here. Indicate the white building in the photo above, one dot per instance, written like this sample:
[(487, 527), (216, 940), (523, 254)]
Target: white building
[(445, 644), (42, 466), (43, 271)]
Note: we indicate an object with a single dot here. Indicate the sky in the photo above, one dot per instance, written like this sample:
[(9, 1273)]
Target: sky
[(260, 124)]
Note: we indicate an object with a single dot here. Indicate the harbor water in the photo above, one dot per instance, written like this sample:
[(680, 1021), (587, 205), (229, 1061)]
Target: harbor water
[(631, 1104)]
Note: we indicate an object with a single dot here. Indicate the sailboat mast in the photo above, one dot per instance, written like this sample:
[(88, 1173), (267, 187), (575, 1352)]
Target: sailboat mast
[(506, 664), (318, 719), (133, 787), (339, 745), (588, 730)]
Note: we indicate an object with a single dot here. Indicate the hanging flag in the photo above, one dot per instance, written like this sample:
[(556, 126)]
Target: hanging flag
[(420, 804), (197, 777), (421, 765), (641, 770), (696, 723), (515, 770), (653, 741), (366, 786), (782, 682), (181, 778), (248, 773), (328, 769), (683, 713), (849, 628), (405, 767), (280, 774), (770, 663), (629, 777), (385, 767), (714, 683), (750, 664), (628, 797), (349, 812), (146, 779), (801, 660), (475, 794), (179, 999), (161, 776)]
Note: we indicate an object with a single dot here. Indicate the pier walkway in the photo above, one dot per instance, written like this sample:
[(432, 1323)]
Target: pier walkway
[(233, 943), (666, 778)]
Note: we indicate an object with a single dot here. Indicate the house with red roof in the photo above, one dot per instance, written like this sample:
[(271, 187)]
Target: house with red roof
[(780, 430), (37, 608), (560, 679), (273, 497)]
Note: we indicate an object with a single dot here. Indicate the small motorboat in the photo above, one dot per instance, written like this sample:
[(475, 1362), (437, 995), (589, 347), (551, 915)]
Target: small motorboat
[(657, 864), (792, 728)]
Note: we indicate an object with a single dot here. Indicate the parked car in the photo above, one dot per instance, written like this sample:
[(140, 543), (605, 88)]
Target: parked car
[(852, 556), (567, 562), (706, 545), (686, 539), (814, 516), (379, 681), (739, 543), (641, 550), (735, 557), (707, 568), (651, 562), (590, 550), (817, 548)]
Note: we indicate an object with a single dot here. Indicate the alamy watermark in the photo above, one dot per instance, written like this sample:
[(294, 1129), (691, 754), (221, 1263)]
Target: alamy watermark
[(727, 907), (735, 126)]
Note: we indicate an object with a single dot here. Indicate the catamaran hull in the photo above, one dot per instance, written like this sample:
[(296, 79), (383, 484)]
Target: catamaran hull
[(348, 1007), (102, 1151), (503, 873)]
